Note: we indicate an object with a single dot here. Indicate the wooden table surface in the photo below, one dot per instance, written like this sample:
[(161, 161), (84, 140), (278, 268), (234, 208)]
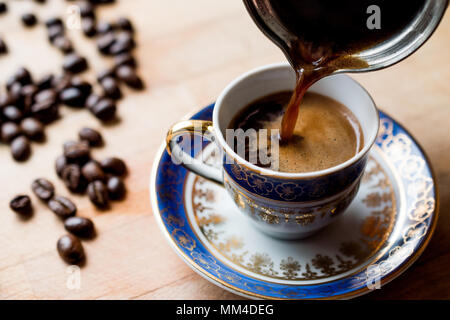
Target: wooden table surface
[(188, 52)]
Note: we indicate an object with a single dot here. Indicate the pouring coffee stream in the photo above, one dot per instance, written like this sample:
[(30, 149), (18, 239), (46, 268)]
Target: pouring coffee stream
[(323, 37)]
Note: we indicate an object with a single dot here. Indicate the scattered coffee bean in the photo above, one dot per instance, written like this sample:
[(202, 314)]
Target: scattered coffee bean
[(20, 148), (93, 137), (23, 76), (92, 171), (60, 163), (21, 204), (84, 86), (74, 181), (104, 109), (104, 27), (55, 31), (63, 43), (86, 9), (123, 43), (88, 26), (72, 97), (32, 128), (98, 194), (116, 188), (54, 21), (9, 131), (77, 151), (61, 82), (74, 63), (29, 19), (43, 189), (46, 95), (70, 249), (125, 59), (114, 166), (3, 7), (46, 111), (105, 74), (3, 47), (45, 82), (105, 42), (111, 88), (62, 207), (40, 1), (79, 226), (28, 93), (128, 75), (12, 113), (125, 24), (92, 100)]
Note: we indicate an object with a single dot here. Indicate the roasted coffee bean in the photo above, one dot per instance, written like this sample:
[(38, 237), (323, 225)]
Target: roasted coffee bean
[(55, 31), (32, 128), (88, 26), (123, 43), (98, 194), (20, 148), (114, 166), (105, 74), (60, 163), (28, 93), (79, 226), (86, 9), (40, 1), (124, 59), (116, 188), (76, 151), (105, 42), (64, 44), (93, 137), (84, 86), (54, 21), (45, 82), (46, 95), (92, 100), (10, 131), (62, 207), (43, 189), (12, 113), (74, 181), (92, 171), (70, 249), (74, 63), (21, 204), (3, 7), (128, 75), (46, 111), (14, 92), (104, 27), (29, 19), (125, 24), (23, 76), (3, 47), (61, 82), (111, 88), (105, 109), (72, 97)]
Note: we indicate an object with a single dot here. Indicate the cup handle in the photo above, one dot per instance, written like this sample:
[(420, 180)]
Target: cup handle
[(196, 127)]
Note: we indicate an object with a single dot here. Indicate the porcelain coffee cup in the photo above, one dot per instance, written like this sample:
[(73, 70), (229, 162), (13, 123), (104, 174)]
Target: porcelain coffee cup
[(280, 204)]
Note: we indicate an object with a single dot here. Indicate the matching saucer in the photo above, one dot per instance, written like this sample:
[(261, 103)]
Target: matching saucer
[(381, 234)]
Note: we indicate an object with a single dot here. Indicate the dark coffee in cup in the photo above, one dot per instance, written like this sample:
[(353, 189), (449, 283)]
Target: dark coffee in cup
[(326, 134)]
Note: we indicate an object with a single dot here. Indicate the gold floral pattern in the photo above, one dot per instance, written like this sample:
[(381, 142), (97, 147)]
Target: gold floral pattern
[(374, 230)]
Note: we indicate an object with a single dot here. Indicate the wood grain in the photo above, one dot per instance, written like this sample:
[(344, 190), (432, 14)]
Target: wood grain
[(188, 52)]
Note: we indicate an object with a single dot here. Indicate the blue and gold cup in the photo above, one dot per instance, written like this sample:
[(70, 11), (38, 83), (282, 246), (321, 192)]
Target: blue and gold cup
[(280, 204)]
